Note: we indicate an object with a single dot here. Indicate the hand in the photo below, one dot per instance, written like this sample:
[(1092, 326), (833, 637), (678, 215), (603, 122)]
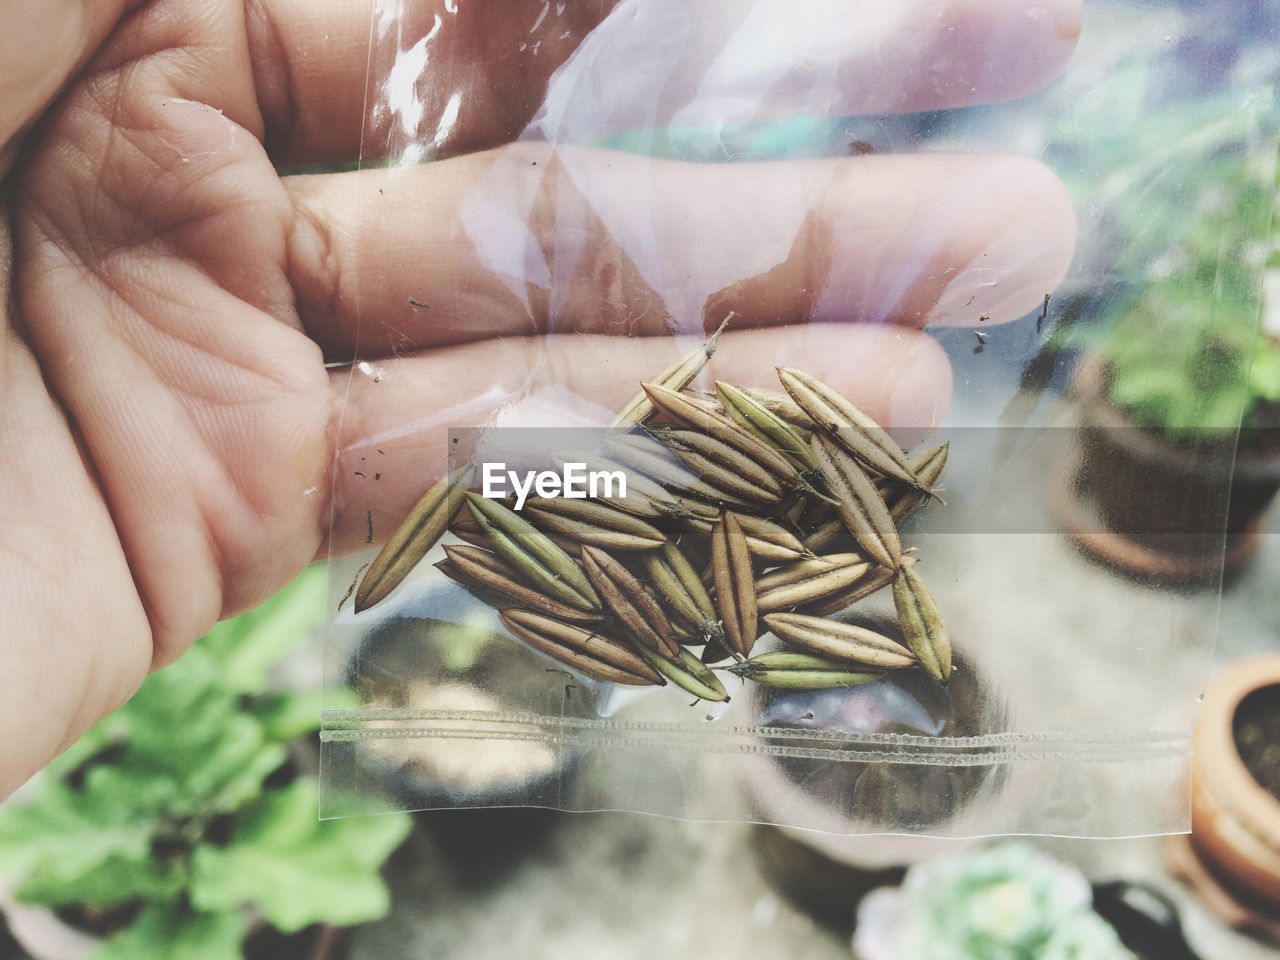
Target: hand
[(167, 419)]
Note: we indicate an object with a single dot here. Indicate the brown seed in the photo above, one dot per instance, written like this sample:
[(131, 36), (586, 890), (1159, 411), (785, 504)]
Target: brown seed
[(814, 580), (856, 432), (585, 650), (413, 539), (721, 465), (597, 524), (876, 580), (735, 584), (630, 600), (465, 527), (928, 467), (860, 505), (768, 541), (840, 640), (678, 407), (643, 495), (677, 376), (654, 460), (922, 625), (483, 570)]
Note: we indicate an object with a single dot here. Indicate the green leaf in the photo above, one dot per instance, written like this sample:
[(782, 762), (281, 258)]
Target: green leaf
[(71, 831), (114, 881), (175, 933), (287, 716), (248, 646), (298, 870)]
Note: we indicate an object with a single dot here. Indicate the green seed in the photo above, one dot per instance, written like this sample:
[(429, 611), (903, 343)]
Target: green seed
[(768, 426), (689, 674), (533, 553), (413, 539), (801, 671), (677, 582), (922, 625)]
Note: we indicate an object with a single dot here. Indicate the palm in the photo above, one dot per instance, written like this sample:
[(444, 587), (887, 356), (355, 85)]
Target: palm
[(168, 418)]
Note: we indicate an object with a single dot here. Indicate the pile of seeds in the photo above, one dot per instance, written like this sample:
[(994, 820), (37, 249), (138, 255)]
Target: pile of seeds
[(745, 513)]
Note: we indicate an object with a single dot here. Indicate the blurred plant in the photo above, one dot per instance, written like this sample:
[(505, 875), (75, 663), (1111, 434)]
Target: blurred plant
[(179, 819), (1006, 902)]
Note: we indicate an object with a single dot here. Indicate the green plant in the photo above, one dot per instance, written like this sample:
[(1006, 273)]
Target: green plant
[(179, 818), (1007, 902)]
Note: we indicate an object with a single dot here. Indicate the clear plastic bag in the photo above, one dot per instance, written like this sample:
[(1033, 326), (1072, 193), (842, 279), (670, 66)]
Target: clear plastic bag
[(1035, 233)]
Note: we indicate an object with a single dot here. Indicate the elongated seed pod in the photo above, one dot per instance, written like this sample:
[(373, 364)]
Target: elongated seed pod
[(585, 650), (837, 578), (875, 580), (533, 553), (413, 539), (783, 407), (631, 601), (592, 523), (860, 505), (722, 466), (689, 674), (769, 541), (804, 570), (482, 570), (465, 527), (752, 415), (843, 641), (679, 408), (676, 582), (735, 584), (825, 534), (643, 495), (922, 625), (850, 427), (928, 467), (677, 376), (655, 461), (801, 671)]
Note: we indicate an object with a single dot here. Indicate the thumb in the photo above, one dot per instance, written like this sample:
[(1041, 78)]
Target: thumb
[(42, 45)]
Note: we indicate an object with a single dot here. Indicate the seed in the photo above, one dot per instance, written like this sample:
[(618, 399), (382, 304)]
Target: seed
[(652, 458), (769, 541), (412, 540), (597, 524), (927, 466), (533, 553), (586, 651), (689, 674), (809, 581), (825, 535), (842, 641), (783, 407), (854, 430), (465, 527), (735, 584), (721, 465), (483, 570), (800, 671), (676, 581), (860, 505), (922, 626), (643, 495), (876, 580), (630, 600), (677, 376), (678, 407), (751, 415)]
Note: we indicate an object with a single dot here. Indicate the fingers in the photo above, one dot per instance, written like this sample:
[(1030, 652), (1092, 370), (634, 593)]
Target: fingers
[(529, 239), (441, 78), (42, 42), (396, 415)]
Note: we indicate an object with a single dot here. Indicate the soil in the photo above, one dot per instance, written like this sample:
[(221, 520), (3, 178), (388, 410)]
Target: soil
[(1257, 735)]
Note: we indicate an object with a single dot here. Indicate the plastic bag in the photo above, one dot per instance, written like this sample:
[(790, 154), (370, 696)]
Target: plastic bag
[(1033, 233)]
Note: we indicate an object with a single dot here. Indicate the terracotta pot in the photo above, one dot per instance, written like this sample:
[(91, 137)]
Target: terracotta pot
[(1235, 820), (1156, 509)]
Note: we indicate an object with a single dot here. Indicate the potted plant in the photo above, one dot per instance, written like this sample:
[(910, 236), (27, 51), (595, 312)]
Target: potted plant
[(1005, 902), (1232, 857), (1164, 386), (181, 825)]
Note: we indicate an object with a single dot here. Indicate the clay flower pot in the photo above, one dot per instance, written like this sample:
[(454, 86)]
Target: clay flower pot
[(1154, 508), (1233, 855)]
